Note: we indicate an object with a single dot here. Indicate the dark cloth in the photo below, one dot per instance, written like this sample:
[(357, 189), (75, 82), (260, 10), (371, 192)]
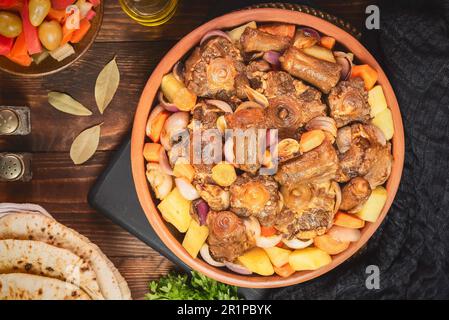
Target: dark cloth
[(411, 247)]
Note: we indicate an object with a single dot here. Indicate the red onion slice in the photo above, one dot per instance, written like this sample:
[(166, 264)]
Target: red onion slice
[(344, 234), (268, 242), (297, 244), (156, 111), (178, 71), (346, 67), (237, 268), (272, 57), (205, 254), (163, 162), (309, 32), (214, 33), (186, 189), (202, 209), (167, 105), (225, 107)]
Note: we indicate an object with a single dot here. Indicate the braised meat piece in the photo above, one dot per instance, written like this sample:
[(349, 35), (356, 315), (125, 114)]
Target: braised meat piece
[(348, 102), (245, 147), (255, 196), (216, 197), (216, 70), (364, 152), (228, 238), (255, 71), (204, 117), (253, 40), (319, 164), (322, 74), (354, 195), (308, 209)]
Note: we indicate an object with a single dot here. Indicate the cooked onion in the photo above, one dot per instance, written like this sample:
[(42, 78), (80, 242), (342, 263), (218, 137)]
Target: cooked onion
[(272, 57), (186, 189), (346, 67), (309, 32), (214, 33), (248, 105), (256, 96), (167, 105), (252, 225), (323, 123), (176, 122), (343, 139), (163, 162), (225, 107), (237, 268), (296, 243), (342, 54), (229, 150), (178, 71), (156, 111), (337, 191), (268, 242), (205, 254), (344, 234), (202, 210)]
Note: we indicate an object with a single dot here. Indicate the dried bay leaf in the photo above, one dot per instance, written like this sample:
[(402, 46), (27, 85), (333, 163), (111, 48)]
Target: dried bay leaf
[(65, 103), (85, 145), (107, 84)]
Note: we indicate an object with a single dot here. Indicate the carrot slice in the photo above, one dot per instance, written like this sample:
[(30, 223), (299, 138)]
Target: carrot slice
[(327, 42), (329, 244), (151, 152), (285, 271), (267, 231), (279, 29), (348, 221), (368, 74), (79, 34), (19, 52), (67, 34), (157, 125), (58, 15)]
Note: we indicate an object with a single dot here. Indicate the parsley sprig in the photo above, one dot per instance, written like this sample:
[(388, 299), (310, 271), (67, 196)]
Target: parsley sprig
[(197, 287)]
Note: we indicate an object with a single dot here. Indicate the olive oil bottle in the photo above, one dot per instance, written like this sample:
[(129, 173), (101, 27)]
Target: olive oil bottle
[(149, 12)]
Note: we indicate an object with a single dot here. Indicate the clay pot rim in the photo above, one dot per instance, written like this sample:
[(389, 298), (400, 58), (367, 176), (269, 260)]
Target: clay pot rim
[(149, 94)]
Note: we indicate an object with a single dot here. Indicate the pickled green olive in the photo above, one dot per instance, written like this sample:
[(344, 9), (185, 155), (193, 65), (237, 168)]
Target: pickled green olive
[(10, 24), (38, 10), (50, 34)]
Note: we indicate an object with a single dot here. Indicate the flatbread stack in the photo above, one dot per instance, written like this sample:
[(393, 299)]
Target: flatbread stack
[(44, 260)]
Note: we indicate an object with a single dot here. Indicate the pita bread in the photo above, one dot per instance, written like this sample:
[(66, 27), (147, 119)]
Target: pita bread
[(35, 226), (39, 258), (21, 286), (12, 208)]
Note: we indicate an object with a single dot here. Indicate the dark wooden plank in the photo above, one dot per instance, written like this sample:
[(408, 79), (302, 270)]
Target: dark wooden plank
[(139, 271), (54, 131), (57, 183)]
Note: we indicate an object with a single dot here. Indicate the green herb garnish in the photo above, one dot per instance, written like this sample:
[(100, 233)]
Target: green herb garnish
[(198, 287)]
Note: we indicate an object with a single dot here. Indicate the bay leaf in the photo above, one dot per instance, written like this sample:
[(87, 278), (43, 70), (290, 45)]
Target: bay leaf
[(107, 84), (65, 103), (85, 145)]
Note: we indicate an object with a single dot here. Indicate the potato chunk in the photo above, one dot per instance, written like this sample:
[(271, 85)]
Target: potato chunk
[(384, 121), (374, 205), (175, 210), (310, 258), (195, 238), (376, 100), (257, 261)]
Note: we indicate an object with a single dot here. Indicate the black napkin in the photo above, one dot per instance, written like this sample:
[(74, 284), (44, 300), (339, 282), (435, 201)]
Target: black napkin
[(411, 248)]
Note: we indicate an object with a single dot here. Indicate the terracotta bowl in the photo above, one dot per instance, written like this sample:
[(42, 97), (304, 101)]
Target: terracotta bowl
[(50, 65), (146, 102)]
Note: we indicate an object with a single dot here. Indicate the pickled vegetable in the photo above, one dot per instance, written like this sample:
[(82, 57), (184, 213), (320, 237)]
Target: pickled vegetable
[(38, 10), (50, 34), (10, 24)]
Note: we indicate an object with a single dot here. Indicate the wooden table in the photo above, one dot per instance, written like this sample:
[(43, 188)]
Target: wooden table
[(59, 185)]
